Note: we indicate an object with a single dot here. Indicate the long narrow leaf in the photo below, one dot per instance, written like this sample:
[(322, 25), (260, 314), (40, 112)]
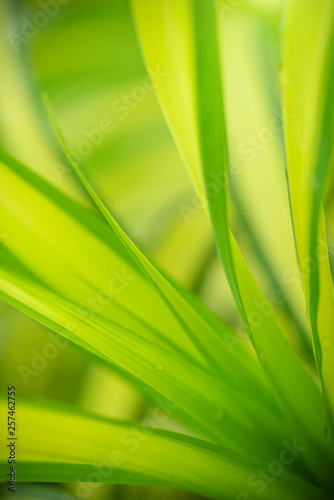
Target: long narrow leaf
[(63, 444)]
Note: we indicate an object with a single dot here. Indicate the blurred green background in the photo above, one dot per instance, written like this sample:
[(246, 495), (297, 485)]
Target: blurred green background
[(85, 55)]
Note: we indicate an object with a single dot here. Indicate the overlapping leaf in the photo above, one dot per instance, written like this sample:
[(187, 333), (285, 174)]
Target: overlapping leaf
[(202, 76), (307, 83), (63, 444), (164, 361)]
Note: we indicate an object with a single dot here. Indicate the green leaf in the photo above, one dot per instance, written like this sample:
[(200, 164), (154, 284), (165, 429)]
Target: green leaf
[(194, 59), (161, 361), (58, 443), (307, 84)]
